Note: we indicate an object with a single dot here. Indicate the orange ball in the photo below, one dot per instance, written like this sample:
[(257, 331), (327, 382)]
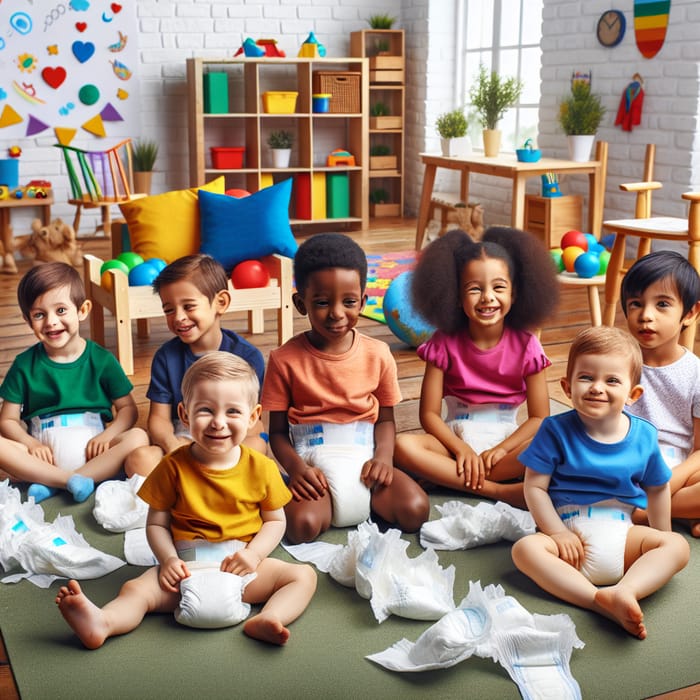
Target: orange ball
[(569, 256)]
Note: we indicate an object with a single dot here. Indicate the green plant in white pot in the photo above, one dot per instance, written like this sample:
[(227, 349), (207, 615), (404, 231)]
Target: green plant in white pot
[(280, 143), (491, 95), (452, 127), (580, 115)]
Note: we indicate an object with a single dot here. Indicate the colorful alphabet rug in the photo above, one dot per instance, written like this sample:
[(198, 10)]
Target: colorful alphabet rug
[(381, 270)]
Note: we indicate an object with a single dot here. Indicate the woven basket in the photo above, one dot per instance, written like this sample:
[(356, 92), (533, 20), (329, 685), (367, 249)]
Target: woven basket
[(344, 88)]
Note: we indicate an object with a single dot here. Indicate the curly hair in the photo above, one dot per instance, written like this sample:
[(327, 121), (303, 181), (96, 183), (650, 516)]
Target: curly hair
[(326, 250), (436, 289)]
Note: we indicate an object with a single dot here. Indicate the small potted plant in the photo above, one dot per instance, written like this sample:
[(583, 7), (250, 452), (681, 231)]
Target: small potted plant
[(280, 143), (380, 158), (381, 21), (380, 117), (143, 157), (580, 115), (452, 127), (380, 204), (491, 95)]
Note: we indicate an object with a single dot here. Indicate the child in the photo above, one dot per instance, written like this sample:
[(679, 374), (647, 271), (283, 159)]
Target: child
[(331, 392), (482, 297), (660, 296), (194, 293), (59, 394), (209, 494), (586, 470)]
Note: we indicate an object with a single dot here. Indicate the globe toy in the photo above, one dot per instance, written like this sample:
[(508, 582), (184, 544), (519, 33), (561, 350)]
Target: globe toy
[(130, 259), (587, 265), (403, 321), (604, 259), (248, 274), (113, 264), (574, 238), (569, 256), (158, 263), (556, 254), (142, 275)]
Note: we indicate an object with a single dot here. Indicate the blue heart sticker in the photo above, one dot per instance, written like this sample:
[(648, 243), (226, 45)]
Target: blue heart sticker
[(83, 50)]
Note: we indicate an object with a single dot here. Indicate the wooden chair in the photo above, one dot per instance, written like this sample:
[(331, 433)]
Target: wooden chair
[(648, 228)]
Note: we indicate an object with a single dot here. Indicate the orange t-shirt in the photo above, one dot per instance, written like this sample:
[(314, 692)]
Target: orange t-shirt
[(315, 387)]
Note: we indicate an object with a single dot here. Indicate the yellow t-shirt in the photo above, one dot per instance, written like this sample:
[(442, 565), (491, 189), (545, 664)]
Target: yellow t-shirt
[(215, 504)]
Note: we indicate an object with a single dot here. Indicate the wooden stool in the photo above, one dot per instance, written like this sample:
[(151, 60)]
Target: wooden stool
[(592, 285)]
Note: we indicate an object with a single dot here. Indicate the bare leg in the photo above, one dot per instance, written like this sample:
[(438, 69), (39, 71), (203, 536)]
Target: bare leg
[(287, 588), (403, 502), (18, 464), (94, 625), (143, 460), (108, 464), (307, 519)]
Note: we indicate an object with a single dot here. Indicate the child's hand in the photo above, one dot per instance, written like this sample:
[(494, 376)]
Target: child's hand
[(171, 573), (96, 446), (492, 457), (570, 547), (242, 562), (471, 467), (42, 452), (376, 473), (308, 485)]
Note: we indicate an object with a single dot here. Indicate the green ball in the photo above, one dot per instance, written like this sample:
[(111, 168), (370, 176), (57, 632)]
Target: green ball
[(130, 259), (114, 264), (556, 254), (604, 260)]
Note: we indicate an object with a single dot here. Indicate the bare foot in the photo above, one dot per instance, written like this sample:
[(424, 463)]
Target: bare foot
[(639, 517), (621, 606), (266, 629), (86, 619)]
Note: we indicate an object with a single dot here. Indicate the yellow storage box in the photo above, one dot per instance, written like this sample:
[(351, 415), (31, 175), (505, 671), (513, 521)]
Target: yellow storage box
[(276, 102)]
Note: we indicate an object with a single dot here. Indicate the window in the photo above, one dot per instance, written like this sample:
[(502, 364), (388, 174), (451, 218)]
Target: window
[(505, 36)]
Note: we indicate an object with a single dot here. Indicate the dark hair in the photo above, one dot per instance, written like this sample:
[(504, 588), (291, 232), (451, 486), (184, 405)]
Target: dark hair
[(45, 277), (661, 265), (436, 286), (205, 273), (326, 250)]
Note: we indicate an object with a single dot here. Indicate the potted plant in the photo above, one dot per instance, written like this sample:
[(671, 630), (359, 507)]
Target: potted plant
[(452, 127), (580, 115), (280, 143), (380, 158), (380, 117), (381, 21), (491, 95), (143, 157), (380, 204)]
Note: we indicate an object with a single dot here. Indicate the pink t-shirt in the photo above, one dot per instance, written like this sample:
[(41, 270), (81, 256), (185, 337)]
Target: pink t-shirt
[(476, 376)]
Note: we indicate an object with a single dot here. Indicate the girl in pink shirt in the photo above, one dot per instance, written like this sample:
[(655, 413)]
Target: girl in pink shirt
[(483, 361)]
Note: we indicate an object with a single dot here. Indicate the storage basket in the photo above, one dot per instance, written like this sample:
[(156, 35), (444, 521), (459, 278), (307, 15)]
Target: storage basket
[(344, 88), (223, 158), (276, 102)]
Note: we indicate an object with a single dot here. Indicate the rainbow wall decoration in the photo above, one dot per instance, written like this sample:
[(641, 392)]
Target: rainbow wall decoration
[(650, 23)]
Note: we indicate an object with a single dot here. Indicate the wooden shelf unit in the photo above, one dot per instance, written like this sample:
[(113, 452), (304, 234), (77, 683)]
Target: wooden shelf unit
[(387, 84), (549, 218), (247, 125)]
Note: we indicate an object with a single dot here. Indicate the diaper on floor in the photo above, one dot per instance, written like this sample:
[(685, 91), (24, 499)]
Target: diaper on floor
[(67, 435), (481, 426), (602, 528), (339, 451)]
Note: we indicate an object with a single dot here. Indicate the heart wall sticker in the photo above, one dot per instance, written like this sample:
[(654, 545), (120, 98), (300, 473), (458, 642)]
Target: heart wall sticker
[(83, 50), (81, 26), (115, 8), (54, 77)]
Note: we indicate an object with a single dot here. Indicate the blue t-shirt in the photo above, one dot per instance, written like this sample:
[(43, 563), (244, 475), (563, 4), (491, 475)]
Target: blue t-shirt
[(586, 471), (173, 358)]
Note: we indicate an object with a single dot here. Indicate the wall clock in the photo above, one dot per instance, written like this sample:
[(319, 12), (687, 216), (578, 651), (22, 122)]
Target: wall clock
[(611, 28)]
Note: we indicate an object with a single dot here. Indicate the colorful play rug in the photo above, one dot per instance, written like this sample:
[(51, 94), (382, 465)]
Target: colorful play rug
[(381, 270)]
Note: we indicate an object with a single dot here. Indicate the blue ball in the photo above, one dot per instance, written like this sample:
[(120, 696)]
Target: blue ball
[(405, 323), (592, 240), (158, 263), (142, 274), (596, 248), (587, 265)]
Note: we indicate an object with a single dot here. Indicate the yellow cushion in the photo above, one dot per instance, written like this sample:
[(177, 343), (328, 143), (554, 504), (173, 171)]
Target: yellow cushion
[(167, 225)]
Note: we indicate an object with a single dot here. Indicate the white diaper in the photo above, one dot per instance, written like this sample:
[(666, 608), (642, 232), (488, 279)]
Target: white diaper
[(481, 426), (339, 451), (673, 456), (67, 435), (211, 598), (602, 528)]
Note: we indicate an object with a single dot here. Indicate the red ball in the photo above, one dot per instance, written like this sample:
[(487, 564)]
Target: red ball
[(250, 273), (238, 193), (571, 238)]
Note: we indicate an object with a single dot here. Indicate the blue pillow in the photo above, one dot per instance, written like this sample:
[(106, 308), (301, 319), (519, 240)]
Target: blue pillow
[(246, 228)]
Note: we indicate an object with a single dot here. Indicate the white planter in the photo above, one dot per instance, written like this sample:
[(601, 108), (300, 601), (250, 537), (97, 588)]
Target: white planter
[(580, 147), (457, 147), (280, 157)]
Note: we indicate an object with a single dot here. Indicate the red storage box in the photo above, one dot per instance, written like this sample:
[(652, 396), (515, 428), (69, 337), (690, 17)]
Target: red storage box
[(223, 158)]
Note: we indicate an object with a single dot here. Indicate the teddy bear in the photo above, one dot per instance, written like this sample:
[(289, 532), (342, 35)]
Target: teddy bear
[(55, 242)]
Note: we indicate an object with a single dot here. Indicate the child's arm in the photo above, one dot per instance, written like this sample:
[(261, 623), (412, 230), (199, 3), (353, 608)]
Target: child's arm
[(267, 538), (537, 410), (469, 464), (659, 507), (160, 427), (125, 414), (12, 428), (160, 538), (305, 482), (539, 503), (380, 469)]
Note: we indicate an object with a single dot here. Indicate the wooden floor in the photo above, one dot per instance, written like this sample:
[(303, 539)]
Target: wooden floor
[(385, 235)]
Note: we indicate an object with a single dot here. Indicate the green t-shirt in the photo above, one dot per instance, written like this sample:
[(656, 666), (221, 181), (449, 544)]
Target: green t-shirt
[(45, 388)]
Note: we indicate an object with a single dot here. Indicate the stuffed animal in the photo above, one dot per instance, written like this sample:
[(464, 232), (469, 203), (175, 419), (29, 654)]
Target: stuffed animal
[(55, 242), (9, 267), (470, 218)]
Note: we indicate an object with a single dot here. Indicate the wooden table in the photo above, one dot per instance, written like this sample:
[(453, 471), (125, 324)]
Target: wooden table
[(507, 166), (6, 206)]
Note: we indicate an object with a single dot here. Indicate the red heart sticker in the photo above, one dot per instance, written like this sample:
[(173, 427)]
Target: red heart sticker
[(54, 77), (115, 7), (81, 26)]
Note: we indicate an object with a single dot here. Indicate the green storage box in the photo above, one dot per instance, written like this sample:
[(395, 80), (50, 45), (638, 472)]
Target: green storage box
[(337, 196), (216, 93)]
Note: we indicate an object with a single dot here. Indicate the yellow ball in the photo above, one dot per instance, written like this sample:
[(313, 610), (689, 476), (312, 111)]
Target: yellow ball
[(569, 256)]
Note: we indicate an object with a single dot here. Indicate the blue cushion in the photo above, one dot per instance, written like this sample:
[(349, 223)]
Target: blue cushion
[(246, 228)]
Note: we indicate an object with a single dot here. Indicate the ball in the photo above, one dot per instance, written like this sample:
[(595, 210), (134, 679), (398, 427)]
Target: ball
[(403, 320), (574, 238), (592, 240), (556, 256), (604, 259), (596, 248), (142, 274), (238, 193), (248, 274), (587, 265), (113, 264), (158, 263), (569, 256), (130, 259)]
